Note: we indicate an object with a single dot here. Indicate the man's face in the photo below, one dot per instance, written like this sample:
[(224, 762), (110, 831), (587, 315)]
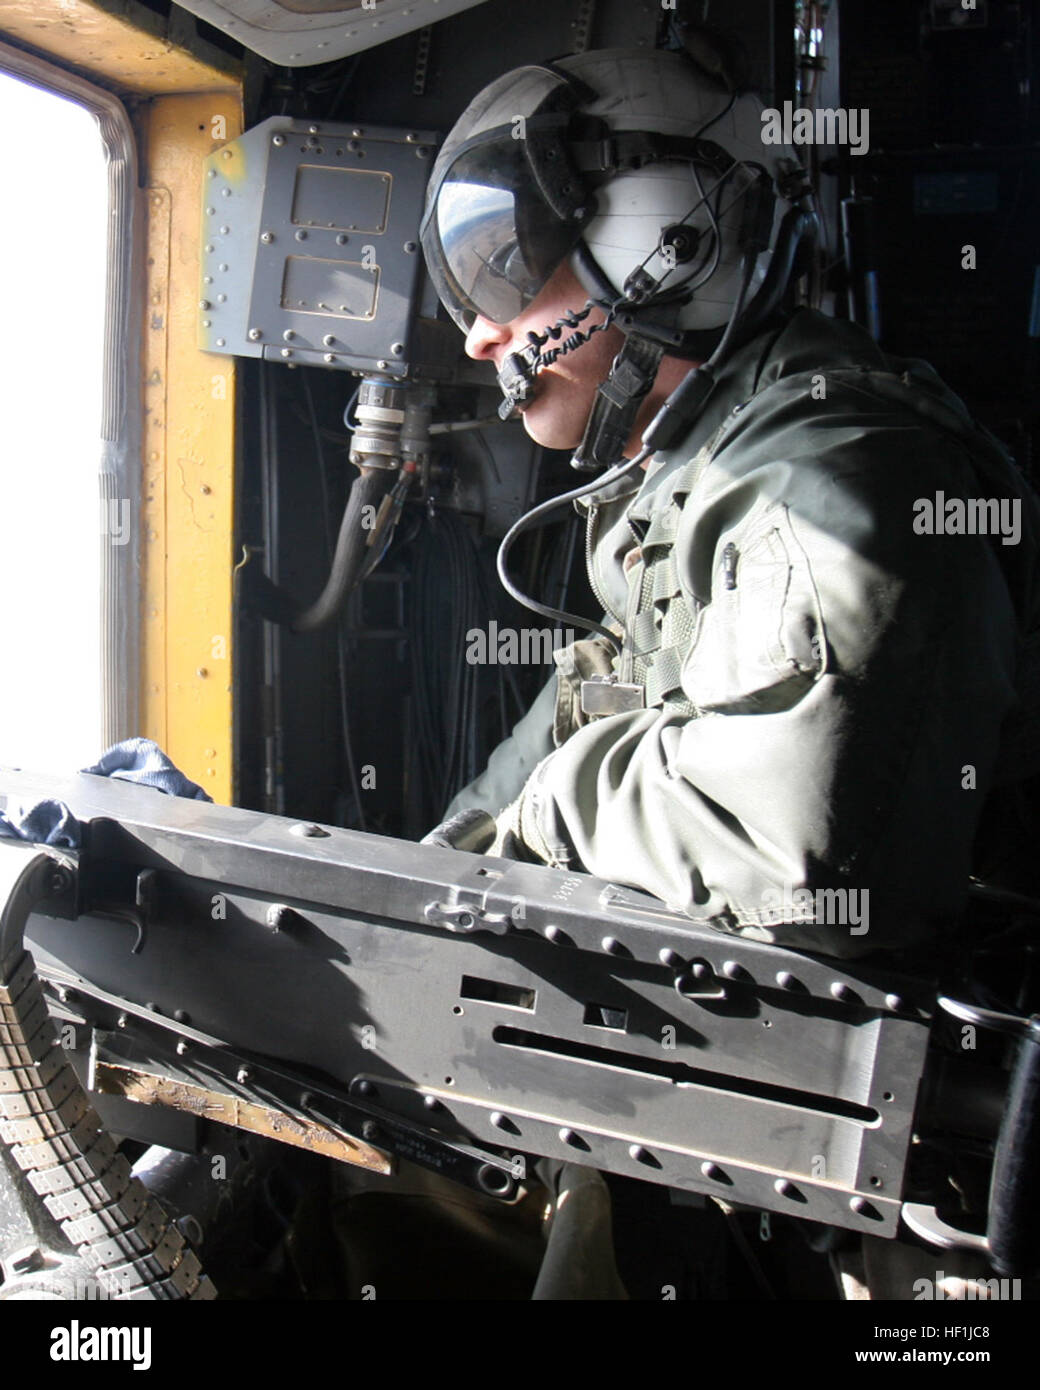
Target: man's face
[(563, 393)]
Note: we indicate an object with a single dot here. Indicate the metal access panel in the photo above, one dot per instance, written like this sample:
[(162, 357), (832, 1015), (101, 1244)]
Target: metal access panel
[(311, 244), (464, 1010)]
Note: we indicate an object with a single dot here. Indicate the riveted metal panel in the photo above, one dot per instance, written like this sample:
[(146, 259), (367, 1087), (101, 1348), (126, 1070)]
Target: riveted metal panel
[(311, 244)]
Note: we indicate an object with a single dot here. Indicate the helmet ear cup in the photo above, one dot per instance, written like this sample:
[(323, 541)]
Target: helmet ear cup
[(715, 190), (680, 243)]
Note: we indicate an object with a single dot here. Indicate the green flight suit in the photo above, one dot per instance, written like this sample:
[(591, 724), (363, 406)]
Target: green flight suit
[(827, 661)]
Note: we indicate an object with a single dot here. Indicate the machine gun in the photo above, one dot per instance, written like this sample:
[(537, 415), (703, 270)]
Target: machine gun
[(377, 1000)]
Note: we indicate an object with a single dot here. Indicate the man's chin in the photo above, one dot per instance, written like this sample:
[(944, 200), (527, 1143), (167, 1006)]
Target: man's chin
[(550, 433), (550, 439)]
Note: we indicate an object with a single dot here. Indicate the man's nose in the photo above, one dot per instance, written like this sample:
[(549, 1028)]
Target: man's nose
[(484, 337)]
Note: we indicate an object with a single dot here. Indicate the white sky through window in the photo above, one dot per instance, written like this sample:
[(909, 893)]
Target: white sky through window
[(53, 234)]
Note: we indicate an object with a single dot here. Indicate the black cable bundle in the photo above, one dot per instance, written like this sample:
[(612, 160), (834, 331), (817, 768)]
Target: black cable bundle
[(453, 729)]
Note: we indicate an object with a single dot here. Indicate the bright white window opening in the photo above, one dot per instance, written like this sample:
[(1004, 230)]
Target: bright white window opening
[(54, 219)]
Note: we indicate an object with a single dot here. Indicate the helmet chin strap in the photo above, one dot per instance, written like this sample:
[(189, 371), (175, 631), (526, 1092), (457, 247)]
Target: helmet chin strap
[(618, 398), (614, 411)]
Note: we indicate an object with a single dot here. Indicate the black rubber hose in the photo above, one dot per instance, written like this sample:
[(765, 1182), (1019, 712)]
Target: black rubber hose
[(1014, 1212), (368, 490)]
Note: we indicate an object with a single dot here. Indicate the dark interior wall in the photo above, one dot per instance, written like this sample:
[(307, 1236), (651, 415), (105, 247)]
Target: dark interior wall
[(952, 166)]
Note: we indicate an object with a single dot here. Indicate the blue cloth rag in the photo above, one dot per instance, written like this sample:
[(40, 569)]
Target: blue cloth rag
[(134, 760)]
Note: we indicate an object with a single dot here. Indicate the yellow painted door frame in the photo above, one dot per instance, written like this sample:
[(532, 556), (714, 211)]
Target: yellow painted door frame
[(188, 440)]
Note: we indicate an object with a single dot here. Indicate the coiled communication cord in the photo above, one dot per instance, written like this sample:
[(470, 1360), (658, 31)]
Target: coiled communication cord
[(571, 319)]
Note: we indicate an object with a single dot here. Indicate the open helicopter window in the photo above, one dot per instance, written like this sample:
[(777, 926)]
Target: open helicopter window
[(68, 531)]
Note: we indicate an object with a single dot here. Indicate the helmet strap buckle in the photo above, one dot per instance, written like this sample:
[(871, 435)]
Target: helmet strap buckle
[(617, 403)]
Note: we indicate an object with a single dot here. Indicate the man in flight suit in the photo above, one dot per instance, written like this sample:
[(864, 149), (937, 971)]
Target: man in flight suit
[(820, 588)]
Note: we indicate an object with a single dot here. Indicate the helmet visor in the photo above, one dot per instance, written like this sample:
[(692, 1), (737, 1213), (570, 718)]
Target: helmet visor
[(491, 241)]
